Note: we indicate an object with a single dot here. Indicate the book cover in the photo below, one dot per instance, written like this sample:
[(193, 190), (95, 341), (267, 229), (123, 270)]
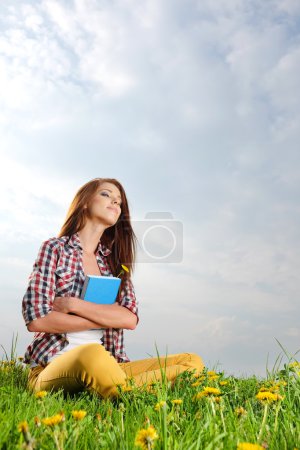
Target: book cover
[(100, 289)]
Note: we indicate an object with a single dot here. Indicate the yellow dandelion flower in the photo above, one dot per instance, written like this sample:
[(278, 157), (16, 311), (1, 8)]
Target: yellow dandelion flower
[(146, 437), (23, 427), (78, 415), (199, 395), (123, 268), (207, 392), (240, 412), (41, 394), (211, 373), (267, 396), (248, 446), (223, 383), (211, 391), (160, 405), (54, 420), (177, 402), (294, 364), (213, 377)]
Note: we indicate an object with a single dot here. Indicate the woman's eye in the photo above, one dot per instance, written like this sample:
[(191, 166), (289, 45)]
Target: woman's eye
[(105, 193)]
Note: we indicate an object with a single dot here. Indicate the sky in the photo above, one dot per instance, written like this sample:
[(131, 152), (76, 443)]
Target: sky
[(194, 107)]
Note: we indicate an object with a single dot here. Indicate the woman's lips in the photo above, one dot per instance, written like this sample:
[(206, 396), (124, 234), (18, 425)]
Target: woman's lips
[(113, 209)]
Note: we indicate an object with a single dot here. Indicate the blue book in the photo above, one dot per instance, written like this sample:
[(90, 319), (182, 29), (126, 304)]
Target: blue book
[(100, 289)]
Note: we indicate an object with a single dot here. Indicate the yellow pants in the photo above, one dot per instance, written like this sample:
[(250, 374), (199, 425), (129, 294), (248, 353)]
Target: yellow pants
[(91, 367)]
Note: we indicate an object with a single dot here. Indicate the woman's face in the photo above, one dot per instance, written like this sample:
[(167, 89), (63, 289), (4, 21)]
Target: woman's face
[(106, 204)]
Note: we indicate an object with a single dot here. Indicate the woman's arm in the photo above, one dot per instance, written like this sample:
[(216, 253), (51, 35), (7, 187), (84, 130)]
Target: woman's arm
[(40, 293), (57, 322), (106, 316), (37, 305)]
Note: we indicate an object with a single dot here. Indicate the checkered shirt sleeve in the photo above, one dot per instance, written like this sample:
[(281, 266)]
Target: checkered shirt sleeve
[(128, 298), (38, 299)]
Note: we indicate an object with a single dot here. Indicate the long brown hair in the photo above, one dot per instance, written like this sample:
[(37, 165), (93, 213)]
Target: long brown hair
[(120, 238)]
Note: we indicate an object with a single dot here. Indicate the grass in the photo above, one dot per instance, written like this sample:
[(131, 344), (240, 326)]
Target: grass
[(211, 412)]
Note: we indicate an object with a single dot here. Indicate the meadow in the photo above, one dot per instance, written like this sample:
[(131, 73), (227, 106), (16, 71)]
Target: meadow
[(212, 411)]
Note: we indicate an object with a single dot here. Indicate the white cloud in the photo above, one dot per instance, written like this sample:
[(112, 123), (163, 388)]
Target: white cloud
[(97, 37), (34, 202), (291, 7), (282, 82)]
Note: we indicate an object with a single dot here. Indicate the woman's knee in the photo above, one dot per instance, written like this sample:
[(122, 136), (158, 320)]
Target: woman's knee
[(194, 361), (99, 370), (95, 359)]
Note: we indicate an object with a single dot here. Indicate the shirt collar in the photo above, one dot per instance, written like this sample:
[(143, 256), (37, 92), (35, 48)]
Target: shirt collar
[(74, 241)]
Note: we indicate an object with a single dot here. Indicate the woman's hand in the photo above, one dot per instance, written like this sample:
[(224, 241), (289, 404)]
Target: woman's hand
[(64, 304)]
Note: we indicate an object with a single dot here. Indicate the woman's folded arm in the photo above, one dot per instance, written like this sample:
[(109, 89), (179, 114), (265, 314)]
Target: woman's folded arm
[(106, 316), (57, 322), (112, 316)]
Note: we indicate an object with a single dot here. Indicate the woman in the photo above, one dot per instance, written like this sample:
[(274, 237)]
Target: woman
[(78, 345)]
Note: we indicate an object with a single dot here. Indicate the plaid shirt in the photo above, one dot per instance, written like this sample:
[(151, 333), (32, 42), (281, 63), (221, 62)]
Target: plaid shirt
[(58, 272)]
